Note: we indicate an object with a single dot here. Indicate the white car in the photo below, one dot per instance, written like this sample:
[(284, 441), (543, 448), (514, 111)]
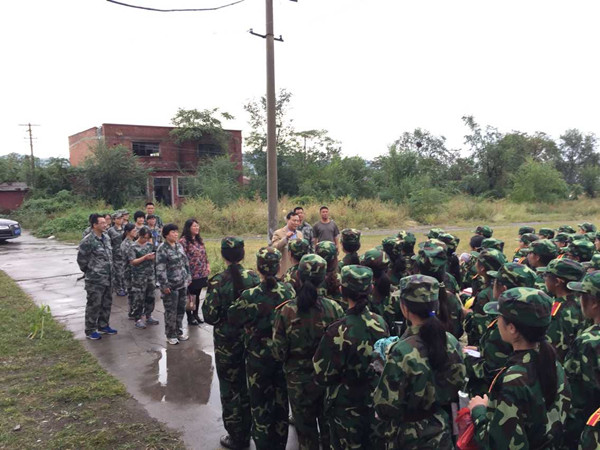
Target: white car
[(9, 229)]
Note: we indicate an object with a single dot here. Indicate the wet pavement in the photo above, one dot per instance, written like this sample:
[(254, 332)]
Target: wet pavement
[(177, 385)]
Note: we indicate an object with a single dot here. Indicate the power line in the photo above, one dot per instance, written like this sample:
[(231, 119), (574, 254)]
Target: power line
[(175, 10)]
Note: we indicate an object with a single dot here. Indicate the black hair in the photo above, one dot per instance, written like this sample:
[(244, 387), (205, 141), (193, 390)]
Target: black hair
[(545, 259), (323, 207), (234, 256), (270, 280), (408, 248), (454, 267), (298, 208), (168, 228), (187, 232), (443, 313), (399, 265), (290, 215), (359, 298), (432, 332), (144, 231), (149, 203), (93, 219), (138, 214), (351, 247), (476, 241), (546, 361), (307, 295), (150, 216), (381, 283), (127, 229), (332, 283)]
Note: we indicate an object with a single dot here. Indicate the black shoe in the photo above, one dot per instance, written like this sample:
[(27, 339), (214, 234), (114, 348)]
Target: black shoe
[(193, 322), (228, 442), (198, 319)]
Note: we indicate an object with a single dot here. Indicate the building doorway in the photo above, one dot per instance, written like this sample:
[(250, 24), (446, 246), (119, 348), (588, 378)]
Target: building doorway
[(163, 192)]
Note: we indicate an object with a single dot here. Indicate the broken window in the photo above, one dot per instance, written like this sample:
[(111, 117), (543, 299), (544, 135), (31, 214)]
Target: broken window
[(146, 148)]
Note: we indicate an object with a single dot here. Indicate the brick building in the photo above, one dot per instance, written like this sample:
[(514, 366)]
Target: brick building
[(170, 163), (12, 195)]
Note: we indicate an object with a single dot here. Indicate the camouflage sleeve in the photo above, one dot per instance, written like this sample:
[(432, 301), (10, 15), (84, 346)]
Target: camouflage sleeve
[(389, 394), (161, 267), (279, 344), (186, 265), (243, 310), (130, 256), (211, 308), (572, 324), (83, 254), (329, 357)]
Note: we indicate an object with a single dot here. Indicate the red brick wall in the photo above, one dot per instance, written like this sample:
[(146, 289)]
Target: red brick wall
[(79, 145), (11, 200)]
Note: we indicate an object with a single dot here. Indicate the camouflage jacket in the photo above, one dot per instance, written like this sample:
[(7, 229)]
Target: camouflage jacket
[(520, 256), (567, 321), (469, 274), (116, 238), (388, 308), (255, 311), (322, 291), (297, 334), (409, 270), (344, 261), (308, 234), (127, 267), (343, 359), (95, 259), (582, 367), (476, 321), (457, 317), (516, 416), (590, 437), (143, 273), (291, 277), (219, 297), (172, 268)]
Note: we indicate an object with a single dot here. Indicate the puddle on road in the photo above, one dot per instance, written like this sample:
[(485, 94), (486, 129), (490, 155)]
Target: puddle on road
[(179, 375)]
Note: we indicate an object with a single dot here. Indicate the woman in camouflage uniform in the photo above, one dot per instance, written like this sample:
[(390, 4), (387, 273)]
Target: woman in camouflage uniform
[(223, 290), (299, 326), (129, 237), (350, 245), (297, 248), (331, 286), (343, 364), (255, 311), (529, 398), (423, 373)]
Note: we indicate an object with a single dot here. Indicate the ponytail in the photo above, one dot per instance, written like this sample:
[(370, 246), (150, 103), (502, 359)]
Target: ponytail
[(359, 298), (351, 259), (382, 283), (271, 282), (432, 332), (307, 296), (234, 256), (443, 314)]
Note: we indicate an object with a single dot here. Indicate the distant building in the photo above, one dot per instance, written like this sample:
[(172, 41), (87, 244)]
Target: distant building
[(12, 195), (170, 163)]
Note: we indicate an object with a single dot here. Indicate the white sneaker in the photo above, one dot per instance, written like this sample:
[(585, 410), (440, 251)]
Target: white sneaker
[(183, 337), (173, 341)]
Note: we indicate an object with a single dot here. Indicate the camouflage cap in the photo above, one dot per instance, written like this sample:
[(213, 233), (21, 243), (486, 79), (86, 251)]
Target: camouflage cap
[(117, 215), (590, 284), (357, 278), (523, 305), (267, 260), (312, 267), (562, 237), (298, 248), (546, 233), (491, 258), (566, 229), (528, 238), (392, 246), (419, 289), (581, 248), (432, 255), (587, 227), (526, 230), (124, 211), (484, 230), (434, 233), (543, 247), (591, 236), (350, 236), (564, 268), (514, 275), (578, 237), (593, 263), (326, 250), (493, 243), (597, 236), (375, 259), (450, 241), (407, 237), (232, 242)]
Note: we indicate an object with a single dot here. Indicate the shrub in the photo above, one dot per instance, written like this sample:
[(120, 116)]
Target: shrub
[(538, 182), (425, 204)]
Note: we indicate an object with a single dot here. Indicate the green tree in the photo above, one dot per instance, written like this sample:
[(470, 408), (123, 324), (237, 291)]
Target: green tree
[(590, 180), (14, 167), (217, 180), (113, 174), (577, 150), (538, 182), (193, 125), (54, 175)]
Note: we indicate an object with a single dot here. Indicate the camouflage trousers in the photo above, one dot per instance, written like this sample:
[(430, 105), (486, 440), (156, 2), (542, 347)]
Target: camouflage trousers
[(119, 266), (98, 306), (268, 402), (174, 304), (432, 433), (235, 400), (142, 299), (354, 428), (307, 402)]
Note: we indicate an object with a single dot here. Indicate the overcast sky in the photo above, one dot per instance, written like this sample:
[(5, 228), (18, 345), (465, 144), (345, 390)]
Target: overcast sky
[(364, 70)]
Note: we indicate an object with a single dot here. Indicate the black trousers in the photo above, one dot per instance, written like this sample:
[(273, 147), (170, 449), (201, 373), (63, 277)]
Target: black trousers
[(194, 289)]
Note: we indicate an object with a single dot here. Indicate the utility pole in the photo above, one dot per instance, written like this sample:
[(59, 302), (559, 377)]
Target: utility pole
[(272, 194), (29, 125)]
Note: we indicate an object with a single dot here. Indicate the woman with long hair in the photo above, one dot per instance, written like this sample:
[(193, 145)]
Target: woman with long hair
[(299, 326), (423, 372), (255, 311), (194, 248), (331, 286), (223, 290), (342, 363), (528, 401)]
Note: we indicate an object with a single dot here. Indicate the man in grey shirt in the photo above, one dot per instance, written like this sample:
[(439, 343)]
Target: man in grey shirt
[(305, 228), (325, 229)]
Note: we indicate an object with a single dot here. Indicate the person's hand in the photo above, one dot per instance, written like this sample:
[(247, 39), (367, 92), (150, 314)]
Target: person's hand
[(167, 291), (477, 401), (150, 256), (469, 347), (289, 234)]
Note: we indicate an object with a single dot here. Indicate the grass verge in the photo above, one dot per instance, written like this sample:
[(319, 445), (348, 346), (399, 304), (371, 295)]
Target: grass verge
[(54, 394)]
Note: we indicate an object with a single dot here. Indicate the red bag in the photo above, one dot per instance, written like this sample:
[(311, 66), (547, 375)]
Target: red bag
[(466, 430)]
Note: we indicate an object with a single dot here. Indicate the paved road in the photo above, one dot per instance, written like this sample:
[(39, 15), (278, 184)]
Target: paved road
[(177, 385)]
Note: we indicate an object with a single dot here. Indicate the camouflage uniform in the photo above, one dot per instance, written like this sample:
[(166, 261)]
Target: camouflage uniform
[(520, 255), (328, 251), (143, 281), (342, 362), (127, 272), (173, 272), (484, 231), (566, 229), (590, 437), (582, 250), (582, 365), (494, 351), (116, 238), (400, 246), (255, 311), (297, 248), (350, 236), (516, 415), (434, 233), (544, 248), (592, 264), (526, 230), (308, 234), (296, 335), (546, 233), (229, 347), (94, 258), (567, 318), (493, 243)]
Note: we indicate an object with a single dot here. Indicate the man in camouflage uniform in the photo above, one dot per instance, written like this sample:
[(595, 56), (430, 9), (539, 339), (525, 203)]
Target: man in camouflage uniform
[(296, 335), (173, 275), (434, 233), (342, 363), (350, 245), (562, 243), (493, 243), (526, 230), (588, 229), (255, 311), (582, 364), (330, 287), (566, 229), (546, 233), (297, 248), (525, 241), (516, 415), (580, 250), (593, 264), (539, 254), (94, 258), (305, 228), (411, 395), (115, 233), (141, 257), (229, 345), (484, 230)]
